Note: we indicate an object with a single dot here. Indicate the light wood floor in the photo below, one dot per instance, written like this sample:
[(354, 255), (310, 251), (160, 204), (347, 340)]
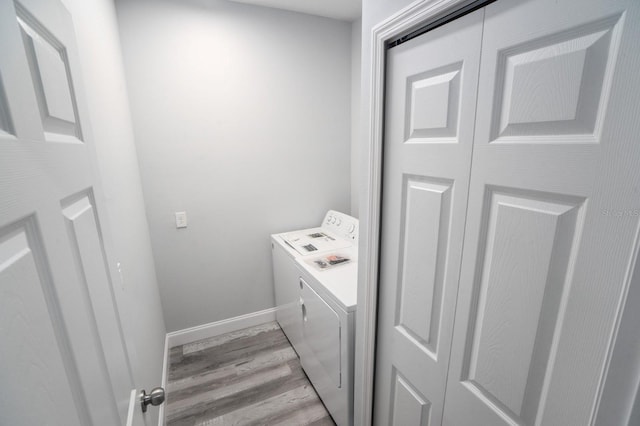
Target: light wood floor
[(247, 377)]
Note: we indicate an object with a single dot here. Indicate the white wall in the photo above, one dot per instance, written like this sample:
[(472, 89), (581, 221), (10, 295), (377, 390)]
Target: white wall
[(356, 121), (242, 119), (136, 290), (373, 12)]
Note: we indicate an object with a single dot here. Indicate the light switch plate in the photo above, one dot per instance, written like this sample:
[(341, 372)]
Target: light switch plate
[(181, 220)]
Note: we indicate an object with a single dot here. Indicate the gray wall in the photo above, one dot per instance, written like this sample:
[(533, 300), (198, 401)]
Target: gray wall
[(135, 289), (373, 12), (242, 119), (356, 121)]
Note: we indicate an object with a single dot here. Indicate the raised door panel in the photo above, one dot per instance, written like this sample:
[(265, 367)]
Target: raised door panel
[(6, 123), (528, 242), (85, 236), (409, 407), (555, 88), (433, 99), (51, 78), (427, 210), (545, 265), (19, 115), (431, 86), (35, 380)]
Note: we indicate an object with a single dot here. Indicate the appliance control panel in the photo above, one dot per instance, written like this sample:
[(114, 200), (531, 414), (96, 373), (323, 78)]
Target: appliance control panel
[(342, 225)]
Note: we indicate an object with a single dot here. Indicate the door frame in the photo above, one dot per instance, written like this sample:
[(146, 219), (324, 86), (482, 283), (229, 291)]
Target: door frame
[(413, 17), (417, 15)]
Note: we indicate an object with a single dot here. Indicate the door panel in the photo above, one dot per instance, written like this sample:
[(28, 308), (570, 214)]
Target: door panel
[(409, 408), (527, 243), (426, 231), (546, 255), (92, 268), (68, 363), (34, 344), (431, 91), (554, 88), (51, 77), (433, 99)]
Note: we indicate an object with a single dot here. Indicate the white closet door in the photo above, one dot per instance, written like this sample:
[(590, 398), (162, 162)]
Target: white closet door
[(431, 98), (63, 359), (553, 212)]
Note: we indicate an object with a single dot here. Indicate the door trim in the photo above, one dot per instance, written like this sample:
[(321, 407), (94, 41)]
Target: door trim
[(406, 21)]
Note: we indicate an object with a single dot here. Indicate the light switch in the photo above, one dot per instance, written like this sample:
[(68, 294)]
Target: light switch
[(181, 219)]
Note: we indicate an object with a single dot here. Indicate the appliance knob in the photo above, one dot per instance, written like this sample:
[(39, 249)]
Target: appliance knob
[(352, 228), (329, 219), (339, 222)]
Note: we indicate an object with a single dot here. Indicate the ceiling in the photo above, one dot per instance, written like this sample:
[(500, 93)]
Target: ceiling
[(344, 10)]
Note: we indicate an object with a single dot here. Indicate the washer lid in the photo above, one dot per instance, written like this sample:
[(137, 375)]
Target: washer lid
[(309, 243)]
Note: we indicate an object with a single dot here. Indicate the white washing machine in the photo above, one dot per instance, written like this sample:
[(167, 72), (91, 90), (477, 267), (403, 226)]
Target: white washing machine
[(315, 276)]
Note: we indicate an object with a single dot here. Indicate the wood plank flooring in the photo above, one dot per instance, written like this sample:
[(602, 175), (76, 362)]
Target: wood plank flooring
[(247, 377)]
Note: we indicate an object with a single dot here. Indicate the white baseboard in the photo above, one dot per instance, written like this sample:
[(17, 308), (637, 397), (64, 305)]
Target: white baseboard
[(205, 331)]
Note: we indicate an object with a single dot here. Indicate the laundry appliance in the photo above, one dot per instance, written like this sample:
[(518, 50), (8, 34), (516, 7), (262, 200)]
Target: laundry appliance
[(315, 277)]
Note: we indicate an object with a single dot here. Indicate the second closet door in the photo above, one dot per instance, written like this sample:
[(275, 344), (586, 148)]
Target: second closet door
[(430, 108), (552, 215)]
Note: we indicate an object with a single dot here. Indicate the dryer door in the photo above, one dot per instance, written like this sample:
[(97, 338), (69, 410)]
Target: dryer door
[(321, 328)]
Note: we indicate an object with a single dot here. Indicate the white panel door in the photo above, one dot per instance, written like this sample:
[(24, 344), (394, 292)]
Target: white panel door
[(553, 212), (61, 346), (430, 106)]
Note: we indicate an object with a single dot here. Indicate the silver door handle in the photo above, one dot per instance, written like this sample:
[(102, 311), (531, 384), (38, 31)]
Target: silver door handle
[(155, 397)]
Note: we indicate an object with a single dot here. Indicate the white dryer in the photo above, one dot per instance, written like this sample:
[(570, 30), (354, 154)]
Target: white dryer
[(316, 294)]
